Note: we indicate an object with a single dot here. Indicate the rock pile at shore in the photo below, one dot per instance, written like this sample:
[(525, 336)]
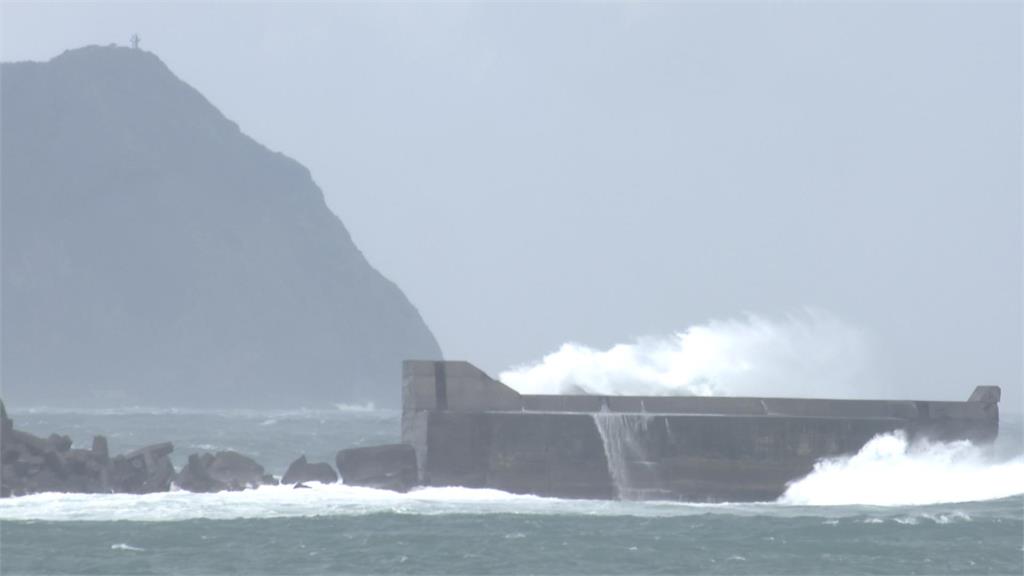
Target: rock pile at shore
[(31, 464)]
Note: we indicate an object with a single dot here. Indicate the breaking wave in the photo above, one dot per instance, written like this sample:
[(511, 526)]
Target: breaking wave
[(892, 471), (803, 353), (263, 502), (340, 500)]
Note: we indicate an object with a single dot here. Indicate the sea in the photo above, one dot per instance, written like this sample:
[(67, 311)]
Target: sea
[(893, 508)]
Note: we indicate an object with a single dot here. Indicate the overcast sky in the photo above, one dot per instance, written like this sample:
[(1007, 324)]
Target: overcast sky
[(532, 174)]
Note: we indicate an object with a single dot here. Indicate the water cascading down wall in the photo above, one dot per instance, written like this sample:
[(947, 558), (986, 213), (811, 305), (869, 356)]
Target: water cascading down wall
[(625, 438)]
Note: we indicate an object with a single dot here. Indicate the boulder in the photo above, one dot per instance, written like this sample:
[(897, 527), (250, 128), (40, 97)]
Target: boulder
[(160, 476), (85, 472), (236, 470), (195, 476), (99, 448), (390, 467), (142, 471), (59, 443), (57, 464), (6, 424), (301, 471), (226, 470)]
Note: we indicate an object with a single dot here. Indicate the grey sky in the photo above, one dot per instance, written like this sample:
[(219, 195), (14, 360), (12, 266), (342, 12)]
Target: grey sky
[(531, 174)]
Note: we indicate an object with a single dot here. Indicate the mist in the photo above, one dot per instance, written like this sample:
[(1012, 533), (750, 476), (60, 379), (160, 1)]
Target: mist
[(810, 352)]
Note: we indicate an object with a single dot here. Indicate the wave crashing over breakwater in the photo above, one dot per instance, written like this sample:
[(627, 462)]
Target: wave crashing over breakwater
[(892, 471), (752, 356)]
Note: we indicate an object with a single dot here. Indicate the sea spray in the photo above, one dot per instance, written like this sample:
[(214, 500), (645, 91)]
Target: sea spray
[(892, 471), (808, 351)]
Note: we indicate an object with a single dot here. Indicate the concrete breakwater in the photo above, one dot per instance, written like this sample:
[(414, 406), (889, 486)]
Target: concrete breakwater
[(467, 429)]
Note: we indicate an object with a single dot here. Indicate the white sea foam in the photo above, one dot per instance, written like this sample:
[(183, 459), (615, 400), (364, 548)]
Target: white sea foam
[(338, 500), (342, 500), (955, 516), (264, 502), (128, 547), (891, 471), (753, 356)]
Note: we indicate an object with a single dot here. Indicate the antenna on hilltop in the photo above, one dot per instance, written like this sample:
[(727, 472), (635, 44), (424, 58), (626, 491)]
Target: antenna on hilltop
[(135, 41)]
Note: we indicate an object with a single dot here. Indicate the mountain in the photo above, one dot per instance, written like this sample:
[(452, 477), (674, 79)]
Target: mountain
[(153, 254)]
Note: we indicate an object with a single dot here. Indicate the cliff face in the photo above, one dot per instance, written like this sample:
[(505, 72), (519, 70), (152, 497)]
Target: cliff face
[(153, 254)]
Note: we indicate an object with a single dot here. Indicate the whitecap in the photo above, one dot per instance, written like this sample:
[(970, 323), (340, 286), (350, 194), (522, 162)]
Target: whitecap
[(368, 407), (264, 502), (910, 520), (891, 471)]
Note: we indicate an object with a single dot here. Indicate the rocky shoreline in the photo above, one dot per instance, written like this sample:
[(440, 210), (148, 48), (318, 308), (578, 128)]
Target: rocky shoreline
[(32, 464)]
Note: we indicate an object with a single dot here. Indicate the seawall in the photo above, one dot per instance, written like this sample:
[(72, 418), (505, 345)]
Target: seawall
[(468, 429)]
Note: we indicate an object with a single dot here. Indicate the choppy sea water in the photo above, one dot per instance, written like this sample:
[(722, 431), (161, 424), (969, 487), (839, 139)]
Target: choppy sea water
[(891, 509)]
